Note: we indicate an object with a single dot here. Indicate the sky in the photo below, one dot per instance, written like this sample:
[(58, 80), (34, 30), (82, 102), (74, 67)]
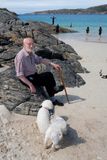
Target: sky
[(28, 6)]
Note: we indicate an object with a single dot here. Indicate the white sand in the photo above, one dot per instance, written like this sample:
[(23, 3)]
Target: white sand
[(86, 115)]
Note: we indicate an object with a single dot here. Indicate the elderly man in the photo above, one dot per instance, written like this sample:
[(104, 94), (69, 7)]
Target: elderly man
[(25, 62)]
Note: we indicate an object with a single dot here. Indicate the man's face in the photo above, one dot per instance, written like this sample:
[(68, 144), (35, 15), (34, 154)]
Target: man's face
[(28, 45)]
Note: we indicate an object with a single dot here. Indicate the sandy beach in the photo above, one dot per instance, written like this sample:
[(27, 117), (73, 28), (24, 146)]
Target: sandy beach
[(86, 114)]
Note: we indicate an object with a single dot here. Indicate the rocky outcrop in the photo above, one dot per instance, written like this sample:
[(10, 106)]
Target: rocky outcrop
[(13, 94), (6, 16)]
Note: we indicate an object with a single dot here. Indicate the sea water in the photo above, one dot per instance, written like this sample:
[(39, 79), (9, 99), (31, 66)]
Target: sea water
[(78, 23)]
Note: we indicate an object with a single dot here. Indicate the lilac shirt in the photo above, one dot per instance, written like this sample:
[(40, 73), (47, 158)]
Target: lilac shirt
[(25, 63)]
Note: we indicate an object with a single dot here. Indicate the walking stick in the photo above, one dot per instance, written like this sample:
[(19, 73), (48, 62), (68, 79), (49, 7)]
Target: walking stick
[(62, 81)]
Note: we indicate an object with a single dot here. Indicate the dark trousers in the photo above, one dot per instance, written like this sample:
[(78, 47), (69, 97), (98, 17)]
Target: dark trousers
[(44, 79)]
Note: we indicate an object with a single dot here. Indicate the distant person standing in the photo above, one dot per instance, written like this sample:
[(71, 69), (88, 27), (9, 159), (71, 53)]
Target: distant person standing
[(57, 28), (53, 20), (71, 25), (87, 30), (100, 31)]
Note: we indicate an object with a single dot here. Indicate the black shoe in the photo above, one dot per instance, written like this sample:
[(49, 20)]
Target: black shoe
[(58, 88), (56, 102)]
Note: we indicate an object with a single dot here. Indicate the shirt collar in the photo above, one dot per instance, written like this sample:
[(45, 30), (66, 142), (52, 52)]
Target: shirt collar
[(25, 52)]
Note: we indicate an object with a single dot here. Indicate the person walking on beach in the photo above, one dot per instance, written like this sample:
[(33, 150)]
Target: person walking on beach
[(100, 32), (25, 62), (87, 32)]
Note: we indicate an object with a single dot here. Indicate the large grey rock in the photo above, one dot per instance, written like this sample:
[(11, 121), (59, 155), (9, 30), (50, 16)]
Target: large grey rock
[(6, 15), (13, 94)]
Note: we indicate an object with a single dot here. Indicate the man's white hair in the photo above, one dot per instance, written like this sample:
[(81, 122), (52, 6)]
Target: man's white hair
[(25, 40)]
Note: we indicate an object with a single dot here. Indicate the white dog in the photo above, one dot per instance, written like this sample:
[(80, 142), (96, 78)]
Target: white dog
[(55, 132), (43, 116), (59, 122), (4, 114)]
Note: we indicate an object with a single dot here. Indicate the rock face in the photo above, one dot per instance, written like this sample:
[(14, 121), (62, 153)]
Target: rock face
[(13, 94), (6, 16)]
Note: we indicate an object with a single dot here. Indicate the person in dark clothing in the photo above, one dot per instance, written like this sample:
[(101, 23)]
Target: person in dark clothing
[(100, 31), (53, 20), (87, 30), (57, 28), (71, 25)]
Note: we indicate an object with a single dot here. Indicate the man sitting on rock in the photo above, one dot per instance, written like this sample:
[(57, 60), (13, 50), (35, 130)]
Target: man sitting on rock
[(25, 62)]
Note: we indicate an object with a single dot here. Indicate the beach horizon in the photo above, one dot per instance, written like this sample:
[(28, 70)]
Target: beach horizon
[(77, 23)]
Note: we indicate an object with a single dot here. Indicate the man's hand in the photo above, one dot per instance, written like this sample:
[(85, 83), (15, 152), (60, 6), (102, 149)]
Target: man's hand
[(56, 66), (32, 88), (28, 83)]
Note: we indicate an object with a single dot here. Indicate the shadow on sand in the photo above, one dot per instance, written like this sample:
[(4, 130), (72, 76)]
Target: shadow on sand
[(71, 139), (72, 99)]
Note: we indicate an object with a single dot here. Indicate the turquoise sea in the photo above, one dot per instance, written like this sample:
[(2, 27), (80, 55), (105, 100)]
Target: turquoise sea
[(78, 22)]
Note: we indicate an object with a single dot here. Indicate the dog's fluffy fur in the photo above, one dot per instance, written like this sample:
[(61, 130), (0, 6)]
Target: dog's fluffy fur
[(52, 129), (4, 114), (59, 122), (43, 116), (55, 132)]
